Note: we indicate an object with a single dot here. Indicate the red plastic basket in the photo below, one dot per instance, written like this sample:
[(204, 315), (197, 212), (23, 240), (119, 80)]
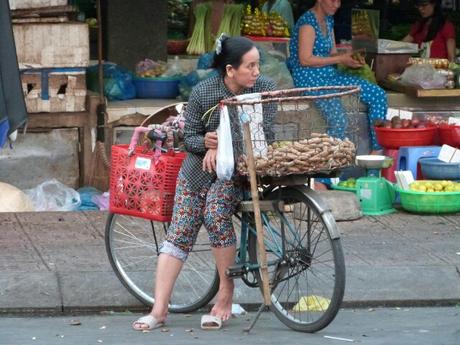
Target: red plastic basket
[(394, 138), (449, 135), (141, 185)]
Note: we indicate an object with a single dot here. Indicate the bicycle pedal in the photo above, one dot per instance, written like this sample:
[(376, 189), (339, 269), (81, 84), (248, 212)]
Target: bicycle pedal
[(236, 271)]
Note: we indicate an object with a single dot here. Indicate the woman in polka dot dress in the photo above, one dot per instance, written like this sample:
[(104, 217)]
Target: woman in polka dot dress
[(313, 62)]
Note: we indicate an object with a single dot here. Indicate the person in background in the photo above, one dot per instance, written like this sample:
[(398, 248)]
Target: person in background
[(434, 34), (202, 198), (313, 63), (283, 8)]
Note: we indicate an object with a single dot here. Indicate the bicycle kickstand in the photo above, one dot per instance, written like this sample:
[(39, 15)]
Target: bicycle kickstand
[(256, 317)]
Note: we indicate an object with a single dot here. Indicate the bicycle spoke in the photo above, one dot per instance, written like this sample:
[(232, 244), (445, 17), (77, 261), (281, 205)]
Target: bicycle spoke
[(133, 248), (305, 276)]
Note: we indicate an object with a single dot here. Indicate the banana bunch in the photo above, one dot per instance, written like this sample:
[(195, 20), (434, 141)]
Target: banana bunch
[(277, 26), (253, 24)]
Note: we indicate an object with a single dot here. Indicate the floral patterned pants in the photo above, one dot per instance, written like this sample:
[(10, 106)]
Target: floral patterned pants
[(213, 206)]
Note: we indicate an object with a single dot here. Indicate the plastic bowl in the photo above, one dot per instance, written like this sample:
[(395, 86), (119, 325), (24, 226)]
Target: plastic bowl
[(430, 202), (433, 168), (374, 161), (394, 138), (156, 87), (449, 135), (176, 47)]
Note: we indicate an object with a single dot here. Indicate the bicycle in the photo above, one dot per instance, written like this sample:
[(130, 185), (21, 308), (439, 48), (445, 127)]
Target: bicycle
[(305, 257)]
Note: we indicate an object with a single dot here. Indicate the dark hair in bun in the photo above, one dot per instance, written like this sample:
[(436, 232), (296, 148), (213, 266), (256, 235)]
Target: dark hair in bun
[(230, 52)]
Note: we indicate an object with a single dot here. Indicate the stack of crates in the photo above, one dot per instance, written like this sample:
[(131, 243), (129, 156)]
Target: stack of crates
[(53, 53)]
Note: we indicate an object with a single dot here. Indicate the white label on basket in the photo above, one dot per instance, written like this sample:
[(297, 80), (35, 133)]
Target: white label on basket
[(392, 112), (142, 163), (406, 115), (454, 121), (366, 194)]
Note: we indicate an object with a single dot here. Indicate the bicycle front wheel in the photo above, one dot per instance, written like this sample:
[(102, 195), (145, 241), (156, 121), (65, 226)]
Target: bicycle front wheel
[(307, 269), (133, 244)]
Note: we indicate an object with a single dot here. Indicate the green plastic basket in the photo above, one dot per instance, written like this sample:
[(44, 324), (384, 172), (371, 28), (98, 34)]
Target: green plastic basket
[(430, 202), (347, 189)]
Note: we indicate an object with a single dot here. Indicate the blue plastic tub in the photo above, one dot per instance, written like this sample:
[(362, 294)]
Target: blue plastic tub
[(4, 127), (435, 169), (156, 87)]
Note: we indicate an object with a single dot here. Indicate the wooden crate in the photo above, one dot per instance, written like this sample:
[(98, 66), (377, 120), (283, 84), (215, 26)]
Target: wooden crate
[(52, 44), (22, 4), (385, 64), (55, 90)]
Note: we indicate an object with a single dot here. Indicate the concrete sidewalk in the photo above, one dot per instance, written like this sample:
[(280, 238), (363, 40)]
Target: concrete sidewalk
[(56, 262)]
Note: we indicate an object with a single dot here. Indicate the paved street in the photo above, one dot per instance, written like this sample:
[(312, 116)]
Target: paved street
[(57, 262), (392, 326)]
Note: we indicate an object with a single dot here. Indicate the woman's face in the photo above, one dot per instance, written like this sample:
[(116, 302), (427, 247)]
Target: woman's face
[(329, 7), (426, 10), (246, 74)]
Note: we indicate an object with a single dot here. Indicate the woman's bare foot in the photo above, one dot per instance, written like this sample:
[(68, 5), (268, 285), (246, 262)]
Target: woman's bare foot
[(223, 307), (149, 322)]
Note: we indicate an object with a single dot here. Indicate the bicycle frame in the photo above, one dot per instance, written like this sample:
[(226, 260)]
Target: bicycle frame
[(277, 243)]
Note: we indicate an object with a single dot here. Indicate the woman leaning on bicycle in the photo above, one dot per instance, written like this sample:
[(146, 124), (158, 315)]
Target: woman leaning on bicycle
[(201, 198)]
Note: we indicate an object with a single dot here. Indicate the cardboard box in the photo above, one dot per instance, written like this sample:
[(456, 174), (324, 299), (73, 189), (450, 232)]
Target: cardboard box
[(52, 44), (26, 4), (66, 91)]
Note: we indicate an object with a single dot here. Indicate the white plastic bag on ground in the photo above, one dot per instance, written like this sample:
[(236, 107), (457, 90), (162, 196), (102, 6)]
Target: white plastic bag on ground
[(13, 199), (225, 160), (53, 195)]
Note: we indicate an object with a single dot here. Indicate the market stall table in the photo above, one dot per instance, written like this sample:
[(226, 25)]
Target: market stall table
[(418, 92)]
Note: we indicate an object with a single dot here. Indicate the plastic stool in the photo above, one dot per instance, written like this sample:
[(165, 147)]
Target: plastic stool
[(409, 156), (389, 173)]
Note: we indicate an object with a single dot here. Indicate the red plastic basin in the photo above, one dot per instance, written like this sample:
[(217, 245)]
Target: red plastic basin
[(449, 135), (394, 138)]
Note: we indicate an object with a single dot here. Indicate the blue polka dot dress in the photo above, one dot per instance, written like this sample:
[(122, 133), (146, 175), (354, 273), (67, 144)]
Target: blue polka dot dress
[(371, 95)]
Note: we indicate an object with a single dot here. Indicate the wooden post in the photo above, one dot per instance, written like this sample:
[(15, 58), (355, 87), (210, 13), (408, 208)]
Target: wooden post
[(257, 215)]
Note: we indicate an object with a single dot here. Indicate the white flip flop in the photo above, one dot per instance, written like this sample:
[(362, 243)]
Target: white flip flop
[(148, 320), (210, 322)]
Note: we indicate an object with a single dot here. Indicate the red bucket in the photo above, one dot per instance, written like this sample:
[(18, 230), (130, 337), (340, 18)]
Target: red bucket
[(141, 185), (449, 135), (394, 138)]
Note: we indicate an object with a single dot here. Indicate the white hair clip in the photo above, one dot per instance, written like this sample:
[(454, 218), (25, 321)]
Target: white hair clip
[(219, 43)]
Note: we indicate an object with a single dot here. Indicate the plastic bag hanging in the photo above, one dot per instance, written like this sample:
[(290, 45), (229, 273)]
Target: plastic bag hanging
[(225, 160)]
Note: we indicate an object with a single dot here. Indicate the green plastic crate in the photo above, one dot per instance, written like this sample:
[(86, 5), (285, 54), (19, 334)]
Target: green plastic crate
[(430, 202), (347, 189)]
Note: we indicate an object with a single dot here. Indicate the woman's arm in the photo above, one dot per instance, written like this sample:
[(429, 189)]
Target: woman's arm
[(451, 48), (306, 58), (194, 130), (449, 34), (408, 38)]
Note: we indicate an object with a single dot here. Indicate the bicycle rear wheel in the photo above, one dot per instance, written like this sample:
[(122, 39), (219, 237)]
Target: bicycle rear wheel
[(307, 271), (133, 244)]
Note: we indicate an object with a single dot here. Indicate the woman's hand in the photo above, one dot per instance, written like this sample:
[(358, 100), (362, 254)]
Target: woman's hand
[(348, 60), (210, 140), (209, 160)]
